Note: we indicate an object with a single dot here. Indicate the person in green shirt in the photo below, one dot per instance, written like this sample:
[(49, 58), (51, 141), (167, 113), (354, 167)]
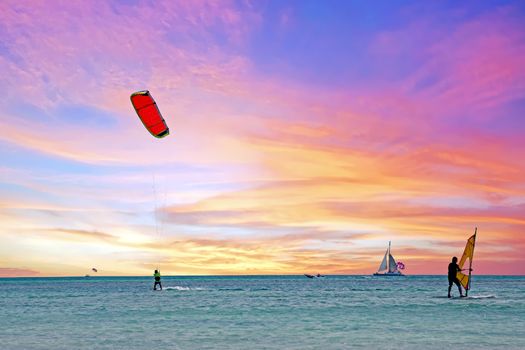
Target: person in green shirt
[(157, 280)]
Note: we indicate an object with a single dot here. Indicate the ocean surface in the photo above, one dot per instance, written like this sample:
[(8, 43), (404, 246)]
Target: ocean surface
[(260, 312)]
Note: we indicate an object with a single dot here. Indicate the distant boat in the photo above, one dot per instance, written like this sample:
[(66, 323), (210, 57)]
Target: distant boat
[(313, 276), (87, 276), (389, 266)]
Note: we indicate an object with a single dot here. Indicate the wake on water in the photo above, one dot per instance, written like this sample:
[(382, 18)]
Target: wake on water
[(182, 288), (491, 296), (478, 297)]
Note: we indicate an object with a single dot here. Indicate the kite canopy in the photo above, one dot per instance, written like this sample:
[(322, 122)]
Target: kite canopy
[(149, 113)]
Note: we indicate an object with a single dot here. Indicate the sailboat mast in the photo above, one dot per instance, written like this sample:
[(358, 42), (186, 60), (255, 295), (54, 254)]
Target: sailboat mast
[(470, 262), (388, 260)]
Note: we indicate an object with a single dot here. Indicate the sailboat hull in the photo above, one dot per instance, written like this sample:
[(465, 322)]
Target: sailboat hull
[(389, 274)]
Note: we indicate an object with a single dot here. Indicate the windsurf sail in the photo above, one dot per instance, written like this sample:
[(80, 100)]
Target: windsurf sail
[(468, 254)]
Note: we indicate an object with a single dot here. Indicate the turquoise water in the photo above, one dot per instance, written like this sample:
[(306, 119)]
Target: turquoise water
[(260, 312)]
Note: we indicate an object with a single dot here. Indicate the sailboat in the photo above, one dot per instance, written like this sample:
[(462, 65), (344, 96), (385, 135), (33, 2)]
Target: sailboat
[(389, 265), (468, 253)]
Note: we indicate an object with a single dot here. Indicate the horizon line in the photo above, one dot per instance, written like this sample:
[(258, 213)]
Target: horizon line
[(257, 275)]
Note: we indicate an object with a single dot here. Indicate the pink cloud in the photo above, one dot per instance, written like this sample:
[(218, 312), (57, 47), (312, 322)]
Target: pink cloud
[(476, 68), (17, 272)]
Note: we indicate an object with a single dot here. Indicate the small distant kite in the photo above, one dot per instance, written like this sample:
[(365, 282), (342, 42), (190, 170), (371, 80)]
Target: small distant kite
[(149, 113), (400, 265), (94, 270)]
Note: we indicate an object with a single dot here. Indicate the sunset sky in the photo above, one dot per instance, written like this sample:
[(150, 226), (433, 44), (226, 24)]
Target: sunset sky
[(305, 135)]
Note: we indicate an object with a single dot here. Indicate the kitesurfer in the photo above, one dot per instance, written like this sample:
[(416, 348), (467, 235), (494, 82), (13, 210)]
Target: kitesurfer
[(157, 280), (453, 270)]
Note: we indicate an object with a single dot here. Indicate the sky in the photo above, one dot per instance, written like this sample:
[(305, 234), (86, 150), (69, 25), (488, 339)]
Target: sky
[(305, 135)]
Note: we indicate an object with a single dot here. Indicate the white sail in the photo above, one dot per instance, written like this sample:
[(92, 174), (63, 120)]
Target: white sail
[(382, 267), (392, 265), (389, 265)]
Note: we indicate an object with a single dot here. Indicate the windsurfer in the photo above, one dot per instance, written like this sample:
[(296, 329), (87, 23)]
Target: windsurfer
[(453, 270)]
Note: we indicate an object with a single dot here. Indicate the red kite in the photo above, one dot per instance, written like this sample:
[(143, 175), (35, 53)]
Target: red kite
[(149, 113)]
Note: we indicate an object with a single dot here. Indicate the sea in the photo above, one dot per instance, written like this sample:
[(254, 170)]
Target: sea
[(261, 312)]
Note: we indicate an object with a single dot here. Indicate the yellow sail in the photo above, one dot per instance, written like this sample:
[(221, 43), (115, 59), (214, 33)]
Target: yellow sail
[(468, 253)]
